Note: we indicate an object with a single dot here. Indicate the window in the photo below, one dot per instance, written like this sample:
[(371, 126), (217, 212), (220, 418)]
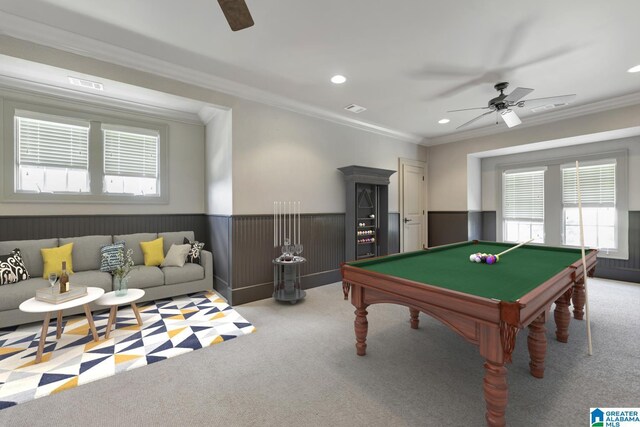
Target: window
[(58, 155), (52, 155), (523, 205), (130, 161), (537, 196), (598, 196)]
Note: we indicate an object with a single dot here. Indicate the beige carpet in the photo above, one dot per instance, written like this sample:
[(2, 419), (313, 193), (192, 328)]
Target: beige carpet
[(300, 369)]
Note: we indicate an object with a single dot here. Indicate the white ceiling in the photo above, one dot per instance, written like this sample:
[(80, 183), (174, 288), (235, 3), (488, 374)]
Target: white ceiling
[(407, 62)]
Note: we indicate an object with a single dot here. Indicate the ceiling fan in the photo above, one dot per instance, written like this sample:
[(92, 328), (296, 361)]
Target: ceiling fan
[(237, 14), (503, 104)]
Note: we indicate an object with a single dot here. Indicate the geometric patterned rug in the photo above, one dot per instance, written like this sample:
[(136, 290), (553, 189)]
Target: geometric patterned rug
[(170, 327)]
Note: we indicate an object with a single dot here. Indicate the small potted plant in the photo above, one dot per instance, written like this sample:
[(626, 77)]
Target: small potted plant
[(125, 264)]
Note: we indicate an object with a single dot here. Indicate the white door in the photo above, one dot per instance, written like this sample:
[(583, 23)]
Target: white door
[(412, 206)]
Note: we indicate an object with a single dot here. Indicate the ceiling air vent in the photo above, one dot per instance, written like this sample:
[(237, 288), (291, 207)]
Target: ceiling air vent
[(88, 84), (355, 108)]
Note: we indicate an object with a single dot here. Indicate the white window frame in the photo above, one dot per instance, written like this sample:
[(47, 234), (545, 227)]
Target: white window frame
[(96, 165), (553, 211), (504, 174)]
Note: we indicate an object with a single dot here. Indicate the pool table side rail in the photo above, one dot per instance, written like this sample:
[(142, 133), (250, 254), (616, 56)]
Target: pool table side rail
[(428, 295), (549, 291)]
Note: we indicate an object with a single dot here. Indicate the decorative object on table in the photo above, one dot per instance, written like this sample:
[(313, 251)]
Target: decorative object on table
[(64, 278), (172, 326), (124, 265), (53, 258), (153, 252), (493, 259), (194, 254), (177, 256), (53, 295), (288, 247), (12, 268)]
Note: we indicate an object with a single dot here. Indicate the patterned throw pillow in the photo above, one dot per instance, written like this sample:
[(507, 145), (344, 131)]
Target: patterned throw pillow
[(109, 256), (12, 268), (194, 254)]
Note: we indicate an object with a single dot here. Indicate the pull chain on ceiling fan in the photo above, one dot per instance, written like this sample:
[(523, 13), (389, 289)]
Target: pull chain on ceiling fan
[(503, 104), (237, 14)]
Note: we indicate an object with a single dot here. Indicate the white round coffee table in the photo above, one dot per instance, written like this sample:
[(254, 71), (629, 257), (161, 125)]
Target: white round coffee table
[(34, 306), (110, 299)]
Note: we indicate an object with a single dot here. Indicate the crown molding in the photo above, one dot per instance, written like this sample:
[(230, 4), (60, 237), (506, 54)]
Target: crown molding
[(539, 119), (17, 86), (35, 32)]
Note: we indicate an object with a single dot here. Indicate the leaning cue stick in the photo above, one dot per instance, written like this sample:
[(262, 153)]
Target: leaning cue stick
[(515, 247), (584, 261)]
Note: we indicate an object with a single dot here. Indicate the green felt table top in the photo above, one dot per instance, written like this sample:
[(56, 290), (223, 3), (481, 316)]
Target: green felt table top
[(516, 274)]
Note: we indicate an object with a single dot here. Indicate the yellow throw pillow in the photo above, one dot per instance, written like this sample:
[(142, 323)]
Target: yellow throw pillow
[(153, 252), (53, 258)]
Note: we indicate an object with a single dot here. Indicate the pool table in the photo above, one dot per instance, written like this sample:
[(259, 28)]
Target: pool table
[(485, 304)]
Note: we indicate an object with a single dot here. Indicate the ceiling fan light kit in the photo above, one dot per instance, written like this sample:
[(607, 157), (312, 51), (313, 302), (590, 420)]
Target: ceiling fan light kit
[(504, 104)]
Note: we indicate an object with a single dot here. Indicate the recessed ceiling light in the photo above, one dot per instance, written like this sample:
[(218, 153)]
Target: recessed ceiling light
[(85, 83), (338, 79), (443, 121), (635, 69)]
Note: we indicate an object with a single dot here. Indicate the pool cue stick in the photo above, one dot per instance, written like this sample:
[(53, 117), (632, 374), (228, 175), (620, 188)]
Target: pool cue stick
[(515, 247), (584, 261)]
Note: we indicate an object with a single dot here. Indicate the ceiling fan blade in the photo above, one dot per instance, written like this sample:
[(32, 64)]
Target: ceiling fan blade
[(467, 109), (510, 118), (473, 120), (517, 94), (237, 14), (539, 104)]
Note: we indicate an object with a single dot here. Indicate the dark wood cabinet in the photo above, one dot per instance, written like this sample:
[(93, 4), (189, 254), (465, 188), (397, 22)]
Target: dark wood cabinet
[(367, 212)]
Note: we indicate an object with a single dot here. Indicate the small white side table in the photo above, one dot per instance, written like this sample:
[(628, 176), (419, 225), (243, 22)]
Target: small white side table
[(33, 306), (110, 299)]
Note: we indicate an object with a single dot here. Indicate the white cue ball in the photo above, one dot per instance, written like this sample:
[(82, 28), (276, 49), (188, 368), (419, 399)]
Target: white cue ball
[(472, 258)]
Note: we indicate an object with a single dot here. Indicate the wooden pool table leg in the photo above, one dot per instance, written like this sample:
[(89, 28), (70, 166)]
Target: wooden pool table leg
[(578, 299), (415, 320), (345, 290), (537, 342), (562, 316), (495, 392), (361, 327)]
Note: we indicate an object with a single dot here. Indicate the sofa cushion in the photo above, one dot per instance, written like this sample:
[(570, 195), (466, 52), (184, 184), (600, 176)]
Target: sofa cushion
[(54, 258), (132, 241), (175, 238), (142, 277), (177, 256), (188, 273), (153, 252), (194, 251), (13, 295), (97, 279), (12, 268), (86, 251), (110, 256), (30, 250)]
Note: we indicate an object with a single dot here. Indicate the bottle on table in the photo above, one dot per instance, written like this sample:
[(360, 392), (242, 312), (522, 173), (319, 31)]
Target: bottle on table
[(64, 278)]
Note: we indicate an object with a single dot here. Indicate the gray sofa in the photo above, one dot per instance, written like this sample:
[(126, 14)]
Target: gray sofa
[(157, 282)]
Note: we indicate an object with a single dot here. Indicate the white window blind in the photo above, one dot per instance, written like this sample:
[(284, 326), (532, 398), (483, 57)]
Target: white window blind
[(597, 185), (129, 153), (52, 144), (523, 195)]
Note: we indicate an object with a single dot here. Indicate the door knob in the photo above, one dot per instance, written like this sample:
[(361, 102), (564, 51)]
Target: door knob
[(406, 220)]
